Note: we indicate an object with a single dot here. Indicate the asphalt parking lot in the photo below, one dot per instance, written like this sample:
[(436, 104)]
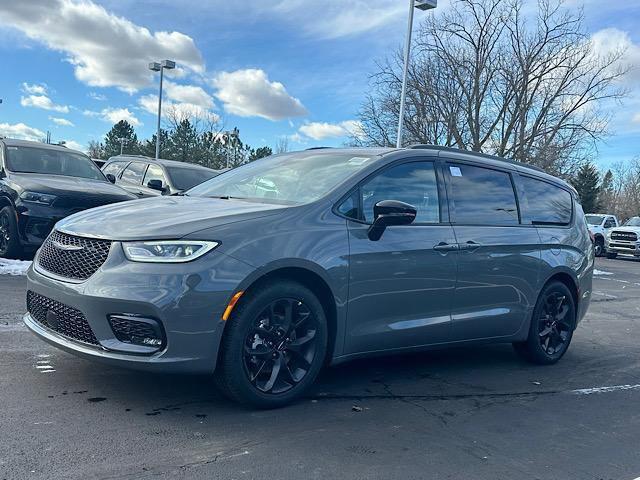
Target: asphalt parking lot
[(475, 413)]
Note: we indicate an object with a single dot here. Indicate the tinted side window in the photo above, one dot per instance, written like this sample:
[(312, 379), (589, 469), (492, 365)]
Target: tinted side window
[(155, 172), (413, 183), (134, 172), (481, 196), (548, 204), (610, 223), (114, 168)]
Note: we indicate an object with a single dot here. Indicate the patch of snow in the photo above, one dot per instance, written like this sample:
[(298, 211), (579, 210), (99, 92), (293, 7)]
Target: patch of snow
[(614, 388), (13, 267), (601, 272)]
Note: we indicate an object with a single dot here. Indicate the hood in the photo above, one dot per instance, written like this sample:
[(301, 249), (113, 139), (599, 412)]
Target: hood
[(626, 229), (162, 217), (71, 191)]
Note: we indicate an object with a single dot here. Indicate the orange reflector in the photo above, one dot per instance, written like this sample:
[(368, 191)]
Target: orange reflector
[(232, 303)]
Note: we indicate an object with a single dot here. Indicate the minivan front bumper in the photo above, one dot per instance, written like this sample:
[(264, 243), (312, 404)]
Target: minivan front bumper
[(186, 300)]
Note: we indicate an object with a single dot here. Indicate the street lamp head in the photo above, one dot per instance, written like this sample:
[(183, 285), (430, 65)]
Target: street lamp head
[(426, 4), (155, 66), (168, 64)]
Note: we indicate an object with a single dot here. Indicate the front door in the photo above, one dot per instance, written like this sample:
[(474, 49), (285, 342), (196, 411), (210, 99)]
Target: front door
[(498, 259), (401, 286)]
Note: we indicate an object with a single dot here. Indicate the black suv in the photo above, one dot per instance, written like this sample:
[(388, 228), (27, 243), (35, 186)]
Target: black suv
[(41, 184), (146, 177)]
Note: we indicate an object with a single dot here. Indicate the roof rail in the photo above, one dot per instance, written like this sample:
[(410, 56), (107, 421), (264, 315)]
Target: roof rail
[(133, 155), (425, 146), (317, 148)]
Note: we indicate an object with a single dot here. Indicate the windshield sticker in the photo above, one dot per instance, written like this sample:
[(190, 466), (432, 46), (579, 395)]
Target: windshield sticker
[(455, 171), (12, 148), (358, 160)]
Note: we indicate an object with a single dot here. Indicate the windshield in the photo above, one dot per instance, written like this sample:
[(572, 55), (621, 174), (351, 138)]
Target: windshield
[(594, 219), (632, 222), (51, 162), (292, 178), (186, 178)]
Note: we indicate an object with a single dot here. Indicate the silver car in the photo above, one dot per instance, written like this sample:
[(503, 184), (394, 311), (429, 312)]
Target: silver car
[(267, 272)]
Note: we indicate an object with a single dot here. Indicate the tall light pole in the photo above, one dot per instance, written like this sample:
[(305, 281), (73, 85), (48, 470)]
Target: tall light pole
[(420, 5), (122, 141), (160, 67)]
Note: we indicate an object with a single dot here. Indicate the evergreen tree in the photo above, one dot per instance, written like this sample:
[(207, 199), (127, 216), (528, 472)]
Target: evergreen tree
[(587, 183), (184, 143), (112, 142), (260, 153), (606, 198), (148, 147)]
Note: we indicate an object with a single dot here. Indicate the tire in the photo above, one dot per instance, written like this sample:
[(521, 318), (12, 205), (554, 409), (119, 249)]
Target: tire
[(612, 255), (552, 325), (264, 364), (9, 244), (599, 247)]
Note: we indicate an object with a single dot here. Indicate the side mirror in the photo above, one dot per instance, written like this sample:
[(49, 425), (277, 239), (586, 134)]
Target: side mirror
[(111, 177), (388, 213), (156, 185)]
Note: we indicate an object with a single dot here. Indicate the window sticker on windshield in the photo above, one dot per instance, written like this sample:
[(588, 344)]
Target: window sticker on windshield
[(12, 148), (455, 171), (358, 160)]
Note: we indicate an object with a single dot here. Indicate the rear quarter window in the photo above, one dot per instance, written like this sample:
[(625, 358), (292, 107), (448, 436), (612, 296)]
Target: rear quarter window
[(548, 203)]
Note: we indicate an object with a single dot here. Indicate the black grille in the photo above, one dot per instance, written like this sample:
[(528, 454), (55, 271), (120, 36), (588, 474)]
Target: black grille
[(137, 331), (60, 318), (81, 260), (628, 236)]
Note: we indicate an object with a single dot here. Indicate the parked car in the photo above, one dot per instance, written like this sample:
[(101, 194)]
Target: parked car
[(267, 272), (41, 184), (599, 225), (624, 240), (146, 177)]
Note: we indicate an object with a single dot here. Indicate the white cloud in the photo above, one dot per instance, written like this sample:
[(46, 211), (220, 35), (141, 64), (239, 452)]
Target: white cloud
[(97, 96), (191, 94), (34, 89), (63, 122), (339, 18), (250, 93), (322, 130), (149, 103), (114, 115), (38, 98), (105, 50), (21, 131), (611, 41), (636, 118), (73, 145)]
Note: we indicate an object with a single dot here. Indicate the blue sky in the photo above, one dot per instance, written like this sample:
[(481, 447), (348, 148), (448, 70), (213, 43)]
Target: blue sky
[(283, 68)]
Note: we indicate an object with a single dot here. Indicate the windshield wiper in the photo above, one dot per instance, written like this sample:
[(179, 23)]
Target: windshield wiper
[(226, 197)]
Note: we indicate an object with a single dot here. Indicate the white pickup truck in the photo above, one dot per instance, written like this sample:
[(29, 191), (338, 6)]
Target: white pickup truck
[(624, 240), (600, 224)]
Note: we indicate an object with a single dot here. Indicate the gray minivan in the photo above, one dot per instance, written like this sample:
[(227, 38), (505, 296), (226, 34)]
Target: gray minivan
[(267, 272)]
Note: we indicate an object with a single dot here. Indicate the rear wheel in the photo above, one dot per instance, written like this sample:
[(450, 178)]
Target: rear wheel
[(273, 347), (552, 325), (611, 255), (9, 244)]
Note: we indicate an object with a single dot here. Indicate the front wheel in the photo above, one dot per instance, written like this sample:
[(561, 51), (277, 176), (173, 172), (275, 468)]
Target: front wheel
[(9, 244), (599, 247), (552, 325), (274, 345)]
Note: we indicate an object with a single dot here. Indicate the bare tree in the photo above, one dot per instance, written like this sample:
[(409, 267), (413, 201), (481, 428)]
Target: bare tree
[(282, 145), (486, 77)]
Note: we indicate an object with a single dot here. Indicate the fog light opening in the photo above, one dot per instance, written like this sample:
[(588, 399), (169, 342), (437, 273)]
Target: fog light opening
[(136, 330)]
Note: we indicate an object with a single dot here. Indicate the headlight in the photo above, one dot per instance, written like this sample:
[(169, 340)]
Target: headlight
[(40, 198), (167, 251)]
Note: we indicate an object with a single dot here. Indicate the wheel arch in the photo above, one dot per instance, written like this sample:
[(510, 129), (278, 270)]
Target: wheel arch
[(568, 278), (312, 277)]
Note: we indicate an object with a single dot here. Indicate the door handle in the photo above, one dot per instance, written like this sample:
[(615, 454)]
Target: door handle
[(470, 246), (445, 247), (140, 194)]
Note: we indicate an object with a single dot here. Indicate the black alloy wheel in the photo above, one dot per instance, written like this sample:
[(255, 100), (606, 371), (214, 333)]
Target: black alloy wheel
[(273, 346), (599, 247), (280, 348), (552, 326)]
